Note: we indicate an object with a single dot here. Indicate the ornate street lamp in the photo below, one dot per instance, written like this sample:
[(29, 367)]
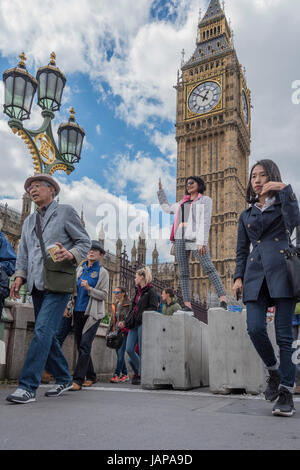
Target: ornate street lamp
[(70, 138), (20, 88)]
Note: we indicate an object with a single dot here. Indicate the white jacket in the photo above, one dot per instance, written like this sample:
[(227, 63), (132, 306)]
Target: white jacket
[(197, 230)]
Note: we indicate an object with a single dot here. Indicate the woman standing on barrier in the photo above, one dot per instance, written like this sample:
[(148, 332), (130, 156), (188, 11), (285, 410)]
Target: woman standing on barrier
[(190, 233), (145, 299), (261, 275)]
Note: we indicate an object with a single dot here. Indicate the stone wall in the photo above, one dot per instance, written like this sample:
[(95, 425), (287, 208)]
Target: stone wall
[(16, 331)]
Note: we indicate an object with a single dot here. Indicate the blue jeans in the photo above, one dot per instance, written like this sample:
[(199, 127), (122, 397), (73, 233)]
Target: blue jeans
[(45, 351), (257, 329), (135, 337), (121, 363)]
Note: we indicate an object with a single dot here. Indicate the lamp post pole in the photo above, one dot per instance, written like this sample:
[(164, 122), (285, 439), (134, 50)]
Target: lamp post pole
[(20, 88)]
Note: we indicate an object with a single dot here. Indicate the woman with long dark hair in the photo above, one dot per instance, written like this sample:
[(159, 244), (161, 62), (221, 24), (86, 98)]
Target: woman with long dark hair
[(261, 275), (190, 233)]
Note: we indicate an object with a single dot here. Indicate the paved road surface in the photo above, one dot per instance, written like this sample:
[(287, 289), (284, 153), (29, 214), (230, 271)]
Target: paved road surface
[(123, 416)]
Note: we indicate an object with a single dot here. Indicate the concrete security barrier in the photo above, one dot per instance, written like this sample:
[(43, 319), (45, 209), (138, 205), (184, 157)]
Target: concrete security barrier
[(233, 360), (174, 351), (16, 333)]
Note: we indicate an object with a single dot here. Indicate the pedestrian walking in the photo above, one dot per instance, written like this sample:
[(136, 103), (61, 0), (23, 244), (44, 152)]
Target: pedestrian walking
[(261, 276), (189, 233), (171, 304), (89, 309), (296, 332), (121, 309), (145, 299), (52, 223), (7, 268)]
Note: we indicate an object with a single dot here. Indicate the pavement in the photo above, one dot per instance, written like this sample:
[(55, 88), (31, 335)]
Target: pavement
[(126, 417)]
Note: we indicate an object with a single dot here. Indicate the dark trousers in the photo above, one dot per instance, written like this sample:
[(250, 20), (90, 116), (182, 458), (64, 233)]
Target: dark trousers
[(84, 367), (257, 329), (64, 329)]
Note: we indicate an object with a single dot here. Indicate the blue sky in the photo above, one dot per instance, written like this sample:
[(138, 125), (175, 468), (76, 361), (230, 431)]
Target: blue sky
[(121, 63)]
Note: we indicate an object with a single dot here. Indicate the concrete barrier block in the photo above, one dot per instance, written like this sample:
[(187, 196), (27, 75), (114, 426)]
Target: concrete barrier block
[(233, 360), (174, 351)]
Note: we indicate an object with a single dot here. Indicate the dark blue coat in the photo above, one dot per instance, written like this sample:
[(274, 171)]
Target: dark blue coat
[(266, 231)]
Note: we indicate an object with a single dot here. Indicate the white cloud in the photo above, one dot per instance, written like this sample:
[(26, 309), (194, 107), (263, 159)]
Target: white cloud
[(142, 173), (98, 129)]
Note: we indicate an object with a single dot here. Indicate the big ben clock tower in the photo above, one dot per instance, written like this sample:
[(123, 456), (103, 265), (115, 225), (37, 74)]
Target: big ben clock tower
[(213, 137)]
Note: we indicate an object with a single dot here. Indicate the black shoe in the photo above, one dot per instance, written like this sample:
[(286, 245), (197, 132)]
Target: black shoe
[(285, 404), (136, 379), (58, 389), (223, 305), (273, 381)]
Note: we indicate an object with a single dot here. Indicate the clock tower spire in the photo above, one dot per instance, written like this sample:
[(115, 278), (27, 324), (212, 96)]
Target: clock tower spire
[(213, 137)]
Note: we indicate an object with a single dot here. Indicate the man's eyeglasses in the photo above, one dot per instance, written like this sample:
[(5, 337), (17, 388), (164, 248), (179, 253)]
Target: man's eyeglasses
[(34, 186)]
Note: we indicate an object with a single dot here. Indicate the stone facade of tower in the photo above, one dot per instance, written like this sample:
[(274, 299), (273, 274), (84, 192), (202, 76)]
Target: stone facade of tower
[(213, 137), (11, 220), (142, 248)]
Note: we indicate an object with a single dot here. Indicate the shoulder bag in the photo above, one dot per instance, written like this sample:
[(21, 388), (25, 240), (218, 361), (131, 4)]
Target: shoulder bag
[(114, 339), (292, 259), (60, 276)]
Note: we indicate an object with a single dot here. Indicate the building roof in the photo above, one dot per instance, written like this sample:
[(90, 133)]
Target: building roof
[(214, 10), (211, 48)]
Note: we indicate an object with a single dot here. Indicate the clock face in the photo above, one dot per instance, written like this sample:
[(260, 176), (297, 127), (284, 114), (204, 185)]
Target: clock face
[(205, 97), (245, 108)]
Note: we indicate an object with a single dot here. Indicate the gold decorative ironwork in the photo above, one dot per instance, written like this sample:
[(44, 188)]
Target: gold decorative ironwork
[(58, 167), (72, 113), (46, 148), (28, 142), (22, 58), (52, 57)]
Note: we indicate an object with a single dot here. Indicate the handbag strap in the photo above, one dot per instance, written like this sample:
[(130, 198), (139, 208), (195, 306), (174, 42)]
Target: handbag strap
[(114, 317), (39, 234)]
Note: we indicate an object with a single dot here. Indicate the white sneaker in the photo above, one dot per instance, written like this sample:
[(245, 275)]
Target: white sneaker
[(21, 396), (58, 389)]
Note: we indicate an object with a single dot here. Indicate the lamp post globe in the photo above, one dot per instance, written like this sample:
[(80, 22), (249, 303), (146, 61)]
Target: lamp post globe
[(70, 139), (20, 88), (51, 82)]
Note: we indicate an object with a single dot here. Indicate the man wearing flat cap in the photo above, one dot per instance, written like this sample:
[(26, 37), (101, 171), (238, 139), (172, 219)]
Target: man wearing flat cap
[(58, 224)]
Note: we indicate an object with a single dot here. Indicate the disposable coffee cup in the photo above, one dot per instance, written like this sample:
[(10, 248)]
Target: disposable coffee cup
[(52, 249)]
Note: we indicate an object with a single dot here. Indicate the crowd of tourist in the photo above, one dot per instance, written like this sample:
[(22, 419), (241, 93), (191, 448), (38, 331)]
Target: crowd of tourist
[(69, 285)]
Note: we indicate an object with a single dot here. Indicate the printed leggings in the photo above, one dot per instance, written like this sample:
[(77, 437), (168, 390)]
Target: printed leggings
[(183, 257)]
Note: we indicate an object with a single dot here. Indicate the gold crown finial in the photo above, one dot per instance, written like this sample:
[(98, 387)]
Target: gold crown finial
[(53, 57), (22, 58), (72, 113)]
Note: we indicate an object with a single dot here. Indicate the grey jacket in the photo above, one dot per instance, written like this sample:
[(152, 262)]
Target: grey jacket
[(60, 223), (98, 294), (197, 230)]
